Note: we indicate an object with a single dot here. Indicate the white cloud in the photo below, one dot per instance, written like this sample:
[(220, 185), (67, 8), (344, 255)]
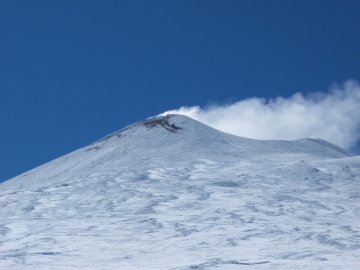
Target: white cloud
[(333, 116)]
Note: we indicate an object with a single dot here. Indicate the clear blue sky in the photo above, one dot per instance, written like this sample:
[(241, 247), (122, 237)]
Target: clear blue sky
[(74, 71)]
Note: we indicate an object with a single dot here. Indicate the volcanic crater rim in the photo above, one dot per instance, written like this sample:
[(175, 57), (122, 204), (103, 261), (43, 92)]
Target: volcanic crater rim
[(163, 121)]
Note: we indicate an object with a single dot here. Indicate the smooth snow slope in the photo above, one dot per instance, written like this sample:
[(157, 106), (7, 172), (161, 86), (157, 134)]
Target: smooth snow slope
[(172, 193)]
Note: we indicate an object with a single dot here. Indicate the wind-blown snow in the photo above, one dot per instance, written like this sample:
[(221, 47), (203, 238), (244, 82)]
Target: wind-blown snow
[(172, 193)]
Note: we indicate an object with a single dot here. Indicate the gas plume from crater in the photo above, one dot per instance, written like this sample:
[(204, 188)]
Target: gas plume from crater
[(333, 116)]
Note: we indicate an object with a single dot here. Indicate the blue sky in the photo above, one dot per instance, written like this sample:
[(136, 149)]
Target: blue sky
[(74, 71)]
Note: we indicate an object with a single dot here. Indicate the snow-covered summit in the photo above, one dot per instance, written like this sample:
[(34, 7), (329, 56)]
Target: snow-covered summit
[(171, 137), (169, 192), (161, 131), (191, 131)]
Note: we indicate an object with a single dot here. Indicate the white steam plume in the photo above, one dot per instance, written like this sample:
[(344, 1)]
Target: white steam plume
[(332, 116)]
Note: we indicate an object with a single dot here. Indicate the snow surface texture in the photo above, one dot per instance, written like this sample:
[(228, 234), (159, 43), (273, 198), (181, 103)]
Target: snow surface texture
[(172, 193)]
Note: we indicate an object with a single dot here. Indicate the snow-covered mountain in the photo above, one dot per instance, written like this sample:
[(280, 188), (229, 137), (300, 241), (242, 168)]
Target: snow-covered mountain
[(172, 193)]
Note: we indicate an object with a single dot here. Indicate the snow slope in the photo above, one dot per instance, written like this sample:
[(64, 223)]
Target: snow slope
[(172, 193)]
